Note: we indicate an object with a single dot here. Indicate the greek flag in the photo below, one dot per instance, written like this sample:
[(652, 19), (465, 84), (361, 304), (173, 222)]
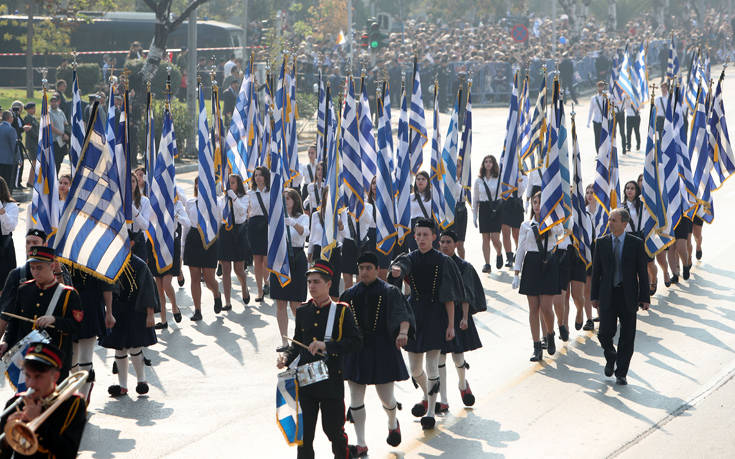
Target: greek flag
[(524, 117), (45, 208), (672, 183), (367, 141), (93, 235), (279, 132), (722, 155), (449, 160), (582, 231), (616, 93), (672, 65), (693, 83), (389, 135), (436, 175), (290, 117), (320, 115), (626, 80), (329, 239), (688, 194), (654, 196), (640, 77), (385, 227), (77, 124), (465, 154), (352, 172), (606, 183), (403, 172), (699, 145), (122, 160), (553, 211), (417, 135), (509, 159), (278, 262), (253, 127), (162, 194), (207, 209), (532, 137), (706, 69), (288, 410), (150, 140), (236, 147)]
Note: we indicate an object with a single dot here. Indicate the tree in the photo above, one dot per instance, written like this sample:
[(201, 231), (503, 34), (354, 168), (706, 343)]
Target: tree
[(165, 24)]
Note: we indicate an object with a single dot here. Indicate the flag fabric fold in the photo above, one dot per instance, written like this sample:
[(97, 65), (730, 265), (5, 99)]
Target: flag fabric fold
[(403, 172), (417, 135), (208, 216), (45, 208), (582, 230), (77, 124), (385, 228), (436, 174)]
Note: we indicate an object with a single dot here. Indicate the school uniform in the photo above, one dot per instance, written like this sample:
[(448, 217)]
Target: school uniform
[(372, 237), (259, 204), (512, 209), (182, 225), (564, 255), (486, 205), (316, 233), (539, 273), (632, 123), (295, 290), (473, 294), (141, 218), (354, 236), (313, 198), (420, 208), (308, 173), (597, 102), (8, 223), (232, 243), (195, 254)]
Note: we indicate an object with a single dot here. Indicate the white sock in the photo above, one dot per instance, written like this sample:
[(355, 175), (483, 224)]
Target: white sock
[(121, 357), (136, 356), (83, 353), (386, 396), (443, 377), (460, 364), (432, 372), (415, 363), (357, 410)]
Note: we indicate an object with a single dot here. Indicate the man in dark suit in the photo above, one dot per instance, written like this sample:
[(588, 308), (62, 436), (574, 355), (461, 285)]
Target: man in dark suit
[(619, 287)]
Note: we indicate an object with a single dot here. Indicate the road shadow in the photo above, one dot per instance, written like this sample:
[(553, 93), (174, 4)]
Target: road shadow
[(181, 348), (701, 334), (143, 410), (105, 443), (223, 336), (249, 319)]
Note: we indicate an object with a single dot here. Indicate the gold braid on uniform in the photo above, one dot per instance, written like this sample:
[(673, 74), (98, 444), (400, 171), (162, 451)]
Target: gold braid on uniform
[(341, 320), (70, 414)]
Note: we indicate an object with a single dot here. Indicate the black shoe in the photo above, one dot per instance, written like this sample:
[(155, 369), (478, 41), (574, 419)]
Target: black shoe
[(621, 381), (487, 268), (420, 408), (217, 305), (609, 368), (498, 262), (699, 254), (283, 348), (246, 299), (428, 422), (441, 408), (141, 388), (564, 333), (578, 325), (117, 391), (589, 326), (219, 269), (467, 397), (538, 353), (146, 361), (197, 315), (177, 316), (551, 349), (544, 344), (266, 289), (358, 451), (685, 274), (675, 279), (259, 299), (161, 326), (667, 283), (509, 259), (181, 282), (227, 307), (394, 436)]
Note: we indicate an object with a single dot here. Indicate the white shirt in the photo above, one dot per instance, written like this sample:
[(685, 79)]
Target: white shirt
[(254, 208), (636, 217), (306, 177), (9, 220), (298, 240), (193, 213), (366, 220), (662, 103), (479, 193), (317, 233), (240, 206), (142, 215), (597, 104), (312, 198), (628, 106), (527, 241), (416, 211)]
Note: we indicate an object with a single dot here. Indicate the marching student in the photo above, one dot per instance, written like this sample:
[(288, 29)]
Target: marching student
[(563, 253), (597, 102), (372, 235), (420, 202), (681, 250), (632, 123), (64, 186), (314, 190), (200, 260), (316, 233), (512, 217), (466, 338), (596, 213), (354, 235), (294, 293), (141, 218), (233, 249), (307, 177), (539, 279), (259, 202), (486, 207), (386, 321), (8, 223), (435, 287)]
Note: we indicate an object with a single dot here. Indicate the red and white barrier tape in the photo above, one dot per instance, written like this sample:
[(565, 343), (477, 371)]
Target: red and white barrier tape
[(174, 50)]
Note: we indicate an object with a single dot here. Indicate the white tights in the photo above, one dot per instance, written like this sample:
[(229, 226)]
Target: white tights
[(81, 359), (357, 407), (459, 363), (415, 362), (121, 357)]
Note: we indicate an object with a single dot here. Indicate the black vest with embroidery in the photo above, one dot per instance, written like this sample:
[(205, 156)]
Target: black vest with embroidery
[(368, 306), (425, 275)]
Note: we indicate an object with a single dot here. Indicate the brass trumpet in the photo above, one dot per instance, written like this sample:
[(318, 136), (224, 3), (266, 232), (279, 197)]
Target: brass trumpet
[(21, 436)]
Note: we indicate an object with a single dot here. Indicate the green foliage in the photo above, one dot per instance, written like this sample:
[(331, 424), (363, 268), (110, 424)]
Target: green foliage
[(158, 85), (89, 76), (306, 103), (183, 124)]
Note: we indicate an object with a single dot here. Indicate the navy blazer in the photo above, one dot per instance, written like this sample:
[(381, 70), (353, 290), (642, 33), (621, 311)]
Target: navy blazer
[(635, 272)]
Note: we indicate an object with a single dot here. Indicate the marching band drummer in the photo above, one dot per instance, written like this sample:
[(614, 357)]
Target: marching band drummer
[(45, 302), (233, 249), (294, 293), (141, 218), (259, 204), (312, 320), (60, 434), (8, 223), (316, 234)]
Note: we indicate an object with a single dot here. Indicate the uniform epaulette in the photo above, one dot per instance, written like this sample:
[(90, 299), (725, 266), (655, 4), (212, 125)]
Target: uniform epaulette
[(67, 287), (29, 281)]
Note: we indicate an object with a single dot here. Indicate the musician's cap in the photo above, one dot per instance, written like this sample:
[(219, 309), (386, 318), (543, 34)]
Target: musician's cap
[(368, 256), (321, 267), (45, 353), (36, 232), (450, 234), (42, 253)]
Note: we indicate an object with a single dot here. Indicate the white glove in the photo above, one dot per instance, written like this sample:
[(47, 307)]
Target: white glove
[(516, 282), (231, 194), (288, 221), (474, 219)]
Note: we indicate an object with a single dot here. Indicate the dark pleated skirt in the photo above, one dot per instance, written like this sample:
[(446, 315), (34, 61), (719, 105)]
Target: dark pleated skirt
[(538, 280), (383, 259), (683, 229), (578, 271), (140, 246), (296, 289), (698, 221), (464, 340), (512, 214), (175, 268), (349, 257), (93, 322), (258, 235), (487, 222), (336, 261), (460, 222), (129, 330), (8, 260), (378, 362), (431, 327), (233, 245), (196, 255)]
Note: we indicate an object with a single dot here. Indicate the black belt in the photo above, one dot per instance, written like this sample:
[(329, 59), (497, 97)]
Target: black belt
[(620, 285)]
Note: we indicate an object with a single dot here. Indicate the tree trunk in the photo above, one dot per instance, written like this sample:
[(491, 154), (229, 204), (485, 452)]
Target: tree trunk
[(29, 51), (157, 49)]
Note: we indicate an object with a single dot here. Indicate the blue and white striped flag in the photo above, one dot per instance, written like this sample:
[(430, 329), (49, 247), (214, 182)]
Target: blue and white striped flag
[(509, 159), (291, 114), (208, 214), (627, 81), (150, 140), (699, 146), (693, 83), (162, 226), (532, 140), (672, 65), (616, 93), (278, 262), (436, 174), (582, 231), (553, 211), (385, 227), (524, 117), (352, 171), (403, 172), (236, 147), (288, 410), (389, 136), (417, 135), (332, 126), (654, 196), (689, 194), (122, 159), (367, 140), (320, 115), (722, 155), (93, 235), (671, 181), (465, 154), (279, 131), (449, 160), (640, 76), (77, 124), (45, 209), (605, 188)]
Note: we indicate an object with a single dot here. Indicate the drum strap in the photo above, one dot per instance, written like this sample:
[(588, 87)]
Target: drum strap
[(54, 299), (330, 322)]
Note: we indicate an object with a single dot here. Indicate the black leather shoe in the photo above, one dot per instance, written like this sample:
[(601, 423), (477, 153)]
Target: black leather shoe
[(394, 436), (420, 408), (578, 325), (217, 305), (467, 397), (259, 299), (544, 343), (667, 283), (699, 254), (197, 315), (564, 333), (609, 368), (538, 353), (117, 391), (498, 262), (181, 281), (685, 274), (161, 326), (428, 422), (246, 299), (589, 326), (621, 381), (177, 316), (550, 343), (675, 279), (219, 269), (141, 388), (227, 307), (487, 268)]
